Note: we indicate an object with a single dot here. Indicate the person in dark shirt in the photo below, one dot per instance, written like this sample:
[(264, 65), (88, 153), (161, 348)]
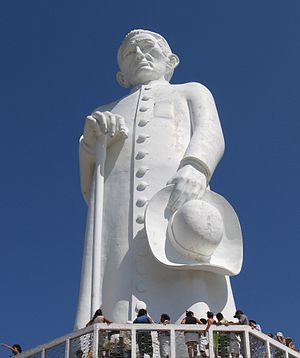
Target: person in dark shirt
[(191, 338), (164, 337), (236, 344), (143, 338), (243, 319)]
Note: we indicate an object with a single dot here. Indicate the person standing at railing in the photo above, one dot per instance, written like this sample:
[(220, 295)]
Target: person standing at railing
[(164, 337), (280, 337), (100, 318), (289, 343), (191, 338), (254, 325), (243, 319), (203, 341), (235, 339), (16, 348), (210, 321), (222, 337), (144, 338)]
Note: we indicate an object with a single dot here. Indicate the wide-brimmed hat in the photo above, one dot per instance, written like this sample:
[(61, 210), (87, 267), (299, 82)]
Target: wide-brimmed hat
[(238, 313), (202, 235)]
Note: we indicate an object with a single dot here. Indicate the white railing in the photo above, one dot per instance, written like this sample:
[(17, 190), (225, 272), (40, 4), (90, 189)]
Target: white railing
[(120, 340)]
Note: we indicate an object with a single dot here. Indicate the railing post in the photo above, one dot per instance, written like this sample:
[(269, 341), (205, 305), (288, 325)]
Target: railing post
[(67, 348), (211, 342), (247, 343), (172, 343), (133, 342), (43, 355), (268, 349), (95, 341)]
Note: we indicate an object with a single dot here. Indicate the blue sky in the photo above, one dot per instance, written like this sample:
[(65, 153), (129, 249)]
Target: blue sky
[(58, 62)]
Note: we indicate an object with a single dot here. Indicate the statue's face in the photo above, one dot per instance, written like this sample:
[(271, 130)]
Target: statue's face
[(143, 60)]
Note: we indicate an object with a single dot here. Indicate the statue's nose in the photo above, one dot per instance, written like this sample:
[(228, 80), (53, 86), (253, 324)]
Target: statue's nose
[(139, 54)]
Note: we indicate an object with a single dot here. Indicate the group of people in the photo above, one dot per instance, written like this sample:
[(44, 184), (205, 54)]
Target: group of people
[(222, 343), (114, 344), (225, 344), (287, 341), (193, 339)]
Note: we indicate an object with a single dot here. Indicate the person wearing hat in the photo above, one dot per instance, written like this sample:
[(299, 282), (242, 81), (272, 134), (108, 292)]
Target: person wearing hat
[(280, 337), (243, 319), (159, 133), (236, 343)]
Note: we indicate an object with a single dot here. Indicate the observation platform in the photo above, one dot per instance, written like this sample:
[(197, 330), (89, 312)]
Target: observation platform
[(126, 341)]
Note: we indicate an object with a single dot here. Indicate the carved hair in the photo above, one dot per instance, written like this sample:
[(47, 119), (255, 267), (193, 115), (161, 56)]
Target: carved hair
[(161, 41)]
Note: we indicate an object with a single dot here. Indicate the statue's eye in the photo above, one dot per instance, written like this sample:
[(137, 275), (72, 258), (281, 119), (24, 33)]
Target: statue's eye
[(148, 45), (128, 53)]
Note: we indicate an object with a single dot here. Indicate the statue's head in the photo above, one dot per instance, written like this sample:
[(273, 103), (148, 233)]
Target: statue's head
[(144, 56)]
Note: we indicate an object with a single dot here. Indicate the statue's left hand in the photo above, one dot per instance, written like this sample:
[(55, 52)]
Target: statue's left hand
[(190, 184)]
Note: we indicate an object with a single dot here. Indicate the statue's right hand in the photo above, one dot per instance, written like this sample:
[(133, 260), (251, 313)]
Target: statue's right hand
[(99, 123)]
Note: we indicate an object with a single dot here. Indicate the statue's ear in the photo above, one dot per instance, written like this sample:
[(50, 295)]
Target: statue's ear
[(173, 61), (121, 78)]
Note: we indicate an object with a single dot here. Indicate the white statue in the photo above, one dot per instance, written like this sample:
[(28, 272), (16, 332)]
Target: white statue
[(155, 231)]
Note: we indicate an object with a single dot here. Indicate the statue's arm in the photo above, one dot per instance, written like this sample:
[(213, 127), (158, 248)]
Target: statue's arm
[(204, 151), (207, 144)]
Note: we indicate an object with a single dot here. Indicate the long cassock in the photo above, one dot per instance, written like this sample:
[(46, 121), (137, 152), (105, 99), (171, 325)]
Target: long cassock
[(169, 126)]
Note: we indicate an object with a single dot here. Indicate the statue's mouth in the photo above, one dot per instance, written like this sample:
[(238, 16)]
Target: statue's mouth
[(143, 64)]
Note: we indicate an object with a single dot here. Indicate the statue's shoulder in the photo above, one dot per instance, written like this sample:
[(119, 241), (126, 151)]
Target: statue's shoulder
[(110, 106), (106, 107), (191, 89)]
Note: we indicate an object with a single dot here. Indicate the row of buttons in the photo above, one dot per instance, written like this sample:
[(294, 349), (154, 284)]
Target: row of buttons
[(141, 244), (141, 154)]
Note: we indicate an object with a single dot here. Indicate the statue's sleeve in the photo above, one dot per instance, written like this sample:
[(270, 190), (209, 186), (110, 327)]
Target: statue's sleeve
[(87, 154), (207, 145)]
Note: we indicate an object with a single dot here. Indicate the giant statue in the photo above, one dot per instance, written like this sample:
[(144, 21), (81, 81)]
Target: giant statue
[(156, 233)]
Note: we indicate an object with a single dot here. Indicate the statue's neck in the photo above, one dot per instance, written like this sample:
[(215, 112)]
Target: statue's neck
[(161, 81)]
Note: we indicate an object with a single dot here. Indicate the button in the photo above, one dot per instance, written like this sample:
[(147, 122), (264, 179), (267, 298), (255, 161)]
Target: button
[(146, 98), (141, 155), (141, 269), (141, 138), (140, 220), (147, 88), (143, 109), (142, 186), (140, 287), (141, 202), (143, 122), (141, 171)]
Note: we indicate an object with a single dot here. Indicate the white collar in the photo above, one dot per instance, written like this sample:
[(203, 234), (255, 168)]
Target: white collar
[(160, 82)]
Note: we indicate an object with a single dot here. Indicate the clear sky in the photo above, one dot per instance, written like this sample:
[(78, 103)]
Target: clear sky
[(58, 62)]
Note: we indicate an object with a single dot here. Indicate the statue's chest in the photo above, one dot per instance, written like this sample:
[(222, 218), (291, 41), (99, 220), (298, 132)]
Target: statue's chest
[(157, 117), (159, 133)]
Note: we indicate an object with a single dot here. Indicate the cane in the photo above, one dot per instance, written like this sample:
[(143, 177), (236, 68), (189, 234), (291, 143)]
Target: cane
[(97, 275), (96, 298)]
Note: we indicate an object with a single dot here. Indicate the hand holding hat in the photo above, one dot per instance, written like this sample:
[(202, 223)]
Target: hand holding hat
[(202, 234)]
